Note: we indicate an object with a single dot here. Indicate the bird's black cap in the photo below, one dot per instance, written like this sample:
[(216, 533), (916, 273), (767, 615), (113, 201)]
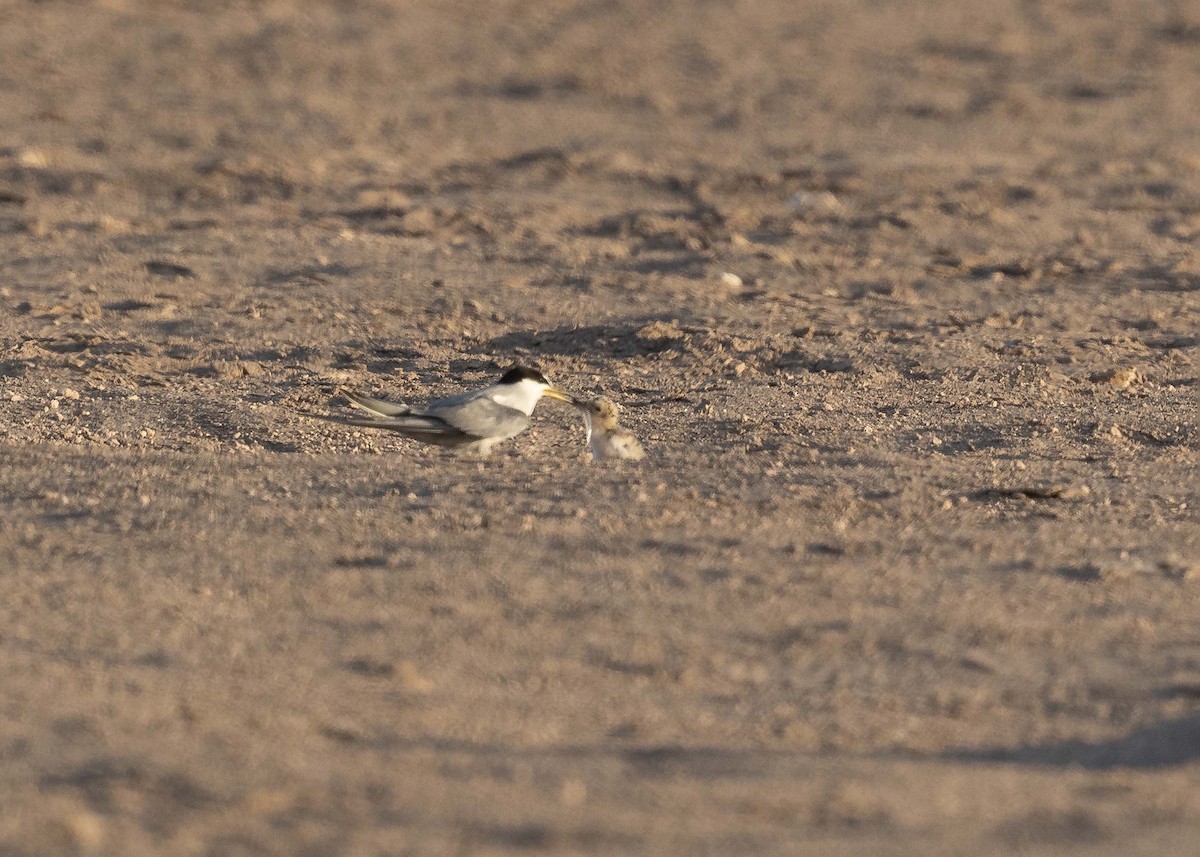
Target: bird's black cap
[(517, 374)]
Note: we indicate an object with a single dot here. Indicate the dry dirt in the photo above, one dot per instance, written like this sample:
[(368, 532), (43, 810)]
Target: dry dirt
[(901, 298)]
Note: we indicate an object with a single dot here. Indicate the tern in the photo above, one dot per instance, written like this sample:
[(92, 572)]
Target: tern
[(473, 421), (605, 437)]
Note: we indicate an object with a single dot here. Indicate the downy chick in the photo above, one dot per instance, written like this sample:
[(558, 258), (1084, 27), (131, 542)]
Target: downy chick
[(605, 437)]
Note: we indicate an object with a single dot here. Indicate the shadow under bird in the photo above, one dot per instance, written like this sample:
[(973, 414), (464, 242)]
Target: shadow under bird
[(473, 421)]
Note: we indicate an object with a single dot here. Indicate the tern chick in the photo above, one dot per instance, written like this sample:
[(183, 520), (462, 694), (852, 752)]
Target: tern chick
[(605, 437), (473, 421)]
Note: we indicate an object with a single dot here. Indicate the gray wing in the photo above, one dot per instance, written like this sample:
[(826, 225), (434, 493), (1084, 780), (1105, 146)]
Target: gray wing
[(376, 406), (457, 399), (478, 416), (413, 425)]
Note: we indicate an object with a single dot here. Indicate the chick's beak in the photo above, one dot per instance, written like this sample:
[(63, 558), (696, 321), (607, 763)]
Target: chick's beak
[(555, 393)]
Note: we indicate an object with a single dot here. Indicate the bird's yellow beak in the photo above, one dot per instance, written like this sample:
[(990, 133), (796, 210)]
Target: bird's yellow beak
[(555, 393)]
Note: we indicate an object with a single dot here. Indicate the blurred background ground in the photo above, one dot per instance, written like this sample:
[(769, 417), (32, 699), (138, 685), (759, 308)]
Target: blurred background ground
[(901, 298)]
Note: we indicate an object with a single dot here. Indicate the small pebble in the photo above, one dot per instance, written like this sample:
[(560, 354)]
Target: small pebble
[(1120, 378), (574, 793), (808, 202), (33, 158), (411, 678)]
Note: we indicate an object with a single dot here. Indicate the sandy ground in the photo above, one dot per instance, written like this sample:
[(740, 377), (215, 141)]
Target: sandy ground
[(913, 566)]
